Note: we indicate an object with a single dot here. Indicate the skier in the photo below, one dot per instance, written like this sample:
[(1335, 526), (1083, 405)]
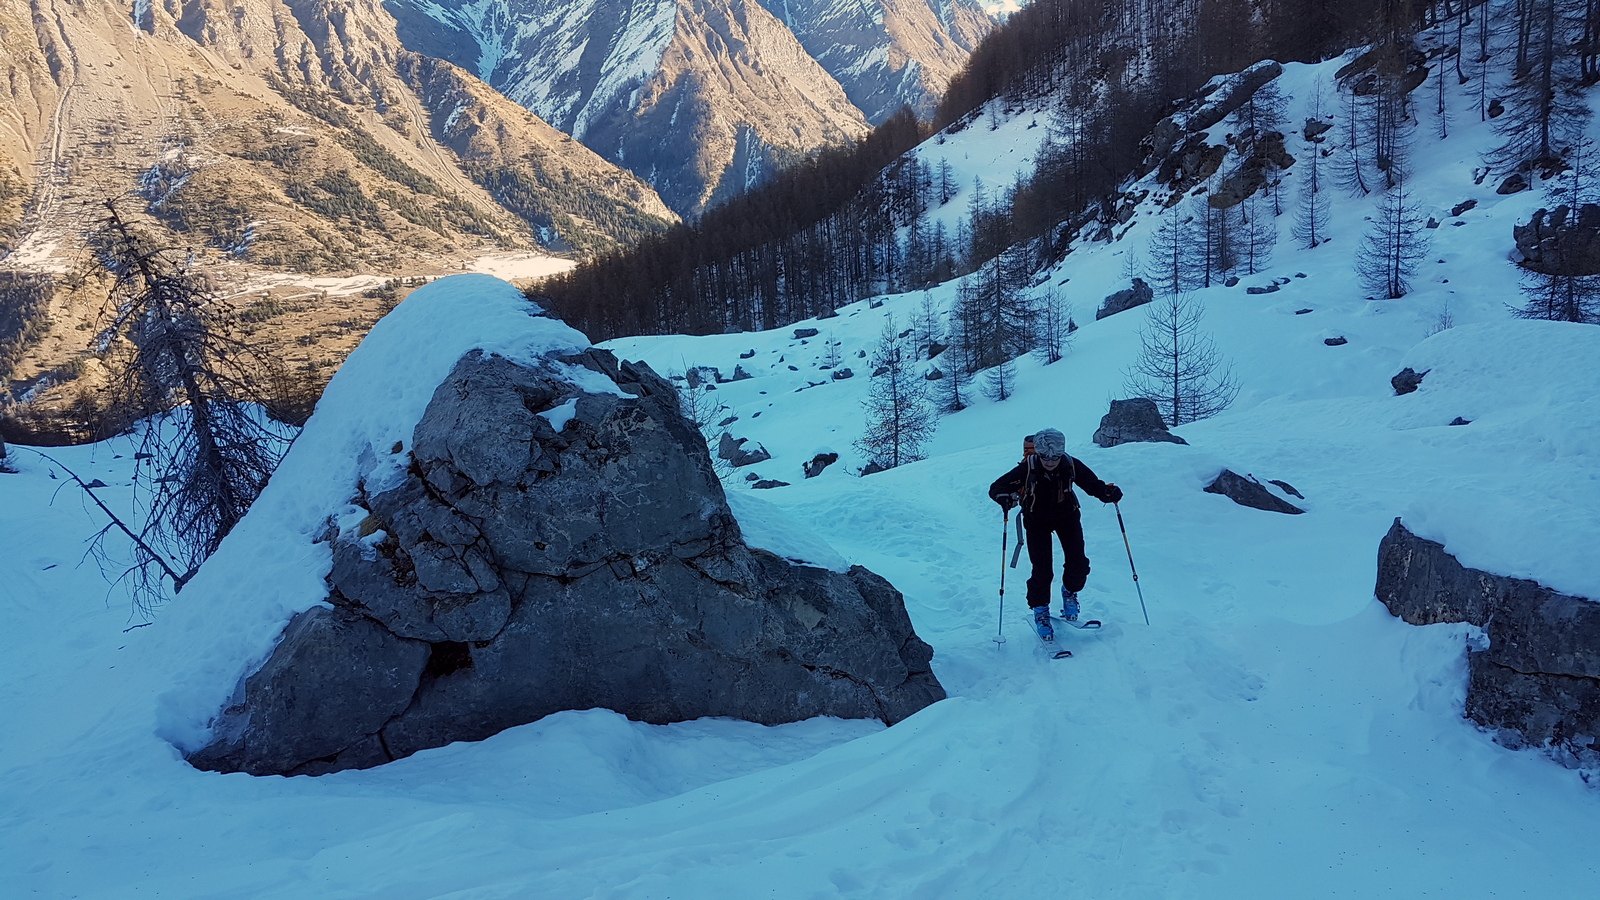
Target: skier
[(1042, 485)]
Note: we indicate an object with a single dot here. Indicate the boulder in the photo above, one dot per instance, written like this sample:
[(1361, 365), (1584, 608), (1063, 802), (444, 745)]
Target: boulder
[(1249, 492), (732, 449), (1337, 341), (1515, 183), (1407, 380), (1538, 681), (1462, 207), (1263, 289), (483, 587), (818, 463), (1315, 129), (1561, 241), (842, 374), (1137, 295), (1132, 421), (803, 333), (769, 483)]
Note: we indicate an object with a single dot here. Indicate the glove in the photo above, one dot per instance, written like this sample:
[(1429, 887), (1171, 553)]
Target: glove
[(1006, 501), (1113, 494)]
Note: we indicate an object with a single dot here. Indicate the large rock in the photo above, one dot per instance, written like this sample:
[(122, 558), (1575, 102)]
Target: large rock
[(1407, 380), (543, 547), (1249, 492), (1538, 682), (1131, 421), (1561, 241), (1137, 295)]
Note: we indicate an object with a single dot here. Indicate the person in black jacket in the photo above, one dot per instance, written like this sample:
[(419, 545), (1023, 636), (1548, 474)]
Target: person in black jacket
[(1042, 485)]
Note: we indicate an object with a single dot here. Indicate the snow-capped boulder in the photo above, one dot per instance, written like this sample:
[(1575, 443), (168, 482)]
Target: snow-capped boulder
[(1250, 492), (732, 449), (1538, 681), (553, 536), (1132, 421), (1137, 295)]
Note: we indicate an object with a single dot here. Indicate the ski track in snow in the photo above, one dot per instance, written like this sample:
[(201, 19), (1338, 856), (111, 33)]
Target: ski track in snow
[(1274, 732)]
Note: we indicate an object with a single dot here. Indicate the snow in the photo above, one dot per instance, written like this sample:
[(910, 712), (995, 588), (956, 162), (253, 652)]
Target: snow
[(1273, 732)]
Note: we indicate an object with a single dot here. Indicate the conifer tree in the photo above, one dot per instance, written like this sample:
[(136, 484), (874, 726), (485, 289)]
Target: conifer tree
[(1178, 365), (899, 418), (1311, 213), (1545, 109), (1393, 246), (1054, 318), (1171, 260), (205, 451)]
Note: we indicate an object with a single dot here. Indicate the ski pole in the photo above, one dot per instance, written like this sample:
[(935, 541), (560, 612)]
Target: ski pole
[(1005, 533), (1131, 566)]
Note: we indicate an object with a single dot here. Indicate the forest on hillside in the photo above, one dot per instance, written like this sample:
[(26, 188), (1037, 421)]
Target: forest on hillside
[(852, 222)]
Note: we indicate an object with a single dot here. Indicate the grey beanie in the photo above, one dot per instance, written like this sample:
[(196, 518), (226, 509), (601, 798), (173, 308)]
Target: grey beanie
[(1050, 443)]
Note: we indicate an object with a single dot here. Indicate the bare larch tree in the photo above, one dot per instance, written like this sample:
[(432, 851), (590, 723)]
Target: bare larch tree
[(206, 449), (1178, 366)]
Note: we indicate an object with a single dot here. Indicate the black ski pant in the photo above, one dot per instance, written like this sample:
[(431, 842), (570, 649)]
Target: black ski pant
[(1074, 567)]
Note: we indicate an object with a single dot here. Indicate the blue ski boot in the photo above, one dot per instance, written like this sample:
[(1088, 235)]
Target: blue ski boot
[(1069, 604), (1041, 623)]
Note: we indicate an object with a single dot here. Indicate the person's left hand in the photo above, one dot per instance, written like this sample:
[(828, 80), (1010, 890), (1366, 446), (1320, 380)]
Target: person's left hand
[(1113, 494)]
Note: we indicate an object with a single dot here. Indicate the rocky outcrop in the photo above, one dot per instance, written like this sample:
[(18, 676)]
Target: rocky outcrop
[(1130, 421), (546, 546), (1250, 492), (1561, 241), (1221, 96), (1538, 681), (1137, 295), (1407, 380)]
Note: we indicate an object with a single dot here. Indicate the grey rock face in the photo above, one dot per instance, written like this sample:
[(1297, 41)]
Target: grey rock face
[(1561, 241), (1538, 683), (1131, 421), (1407, 380), (509, 570), (1137, 295), (1249, 492), (732, 449), (1221, 96)]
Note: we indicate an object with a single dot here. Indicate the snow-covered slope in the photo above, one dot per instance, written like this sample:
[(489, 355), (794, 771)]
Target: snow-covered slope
[(1272, 733)]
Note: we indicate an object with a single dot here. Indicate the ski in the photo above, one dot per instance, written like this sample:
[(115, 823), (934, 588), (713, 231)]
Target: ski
[(1048, 642), (1084, 625)]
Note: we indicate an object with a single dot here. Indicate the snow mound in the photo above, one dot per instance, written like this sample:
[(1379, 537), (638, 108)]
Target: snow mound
[(1530, 391)]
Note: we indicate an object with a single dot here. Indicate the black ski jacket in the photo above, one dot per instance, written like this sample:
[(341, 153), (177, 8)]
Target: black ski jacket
[(1048, 496)]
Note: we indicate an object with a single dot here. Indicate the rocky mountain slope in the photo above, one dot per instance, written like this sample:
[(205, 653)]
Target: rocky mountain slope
[(300, 135), (285, 140), (703, 98)]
